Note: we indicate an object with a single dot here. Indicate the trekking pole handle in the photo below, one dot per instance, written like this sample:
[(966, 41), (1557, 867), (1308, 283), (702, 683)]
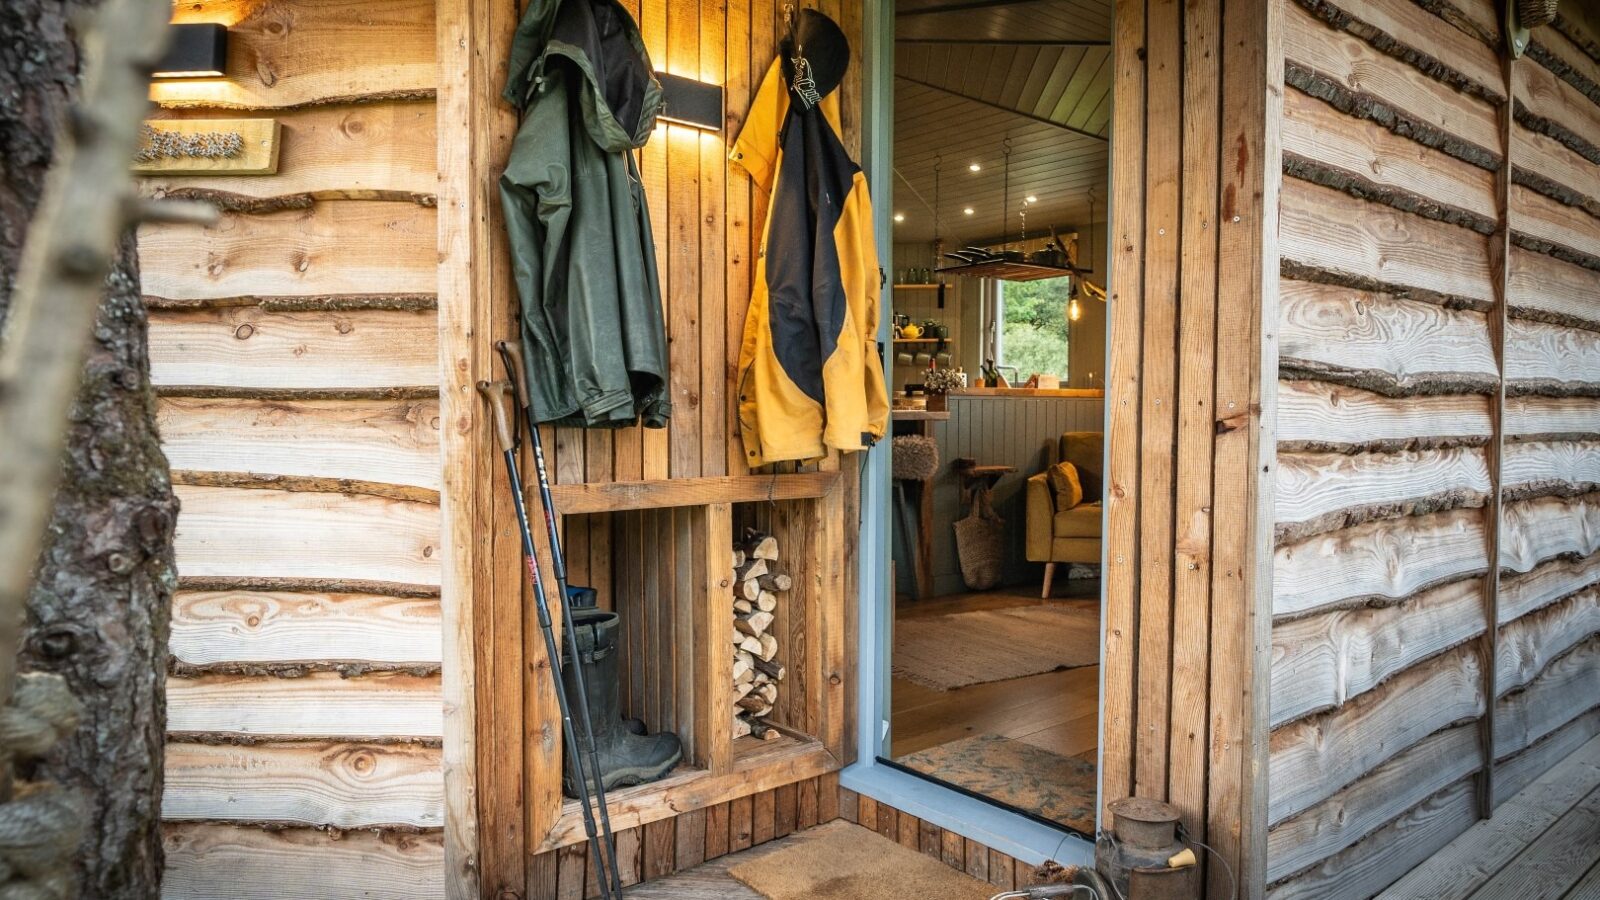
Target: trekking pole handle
[(511, 355), (496, 393)]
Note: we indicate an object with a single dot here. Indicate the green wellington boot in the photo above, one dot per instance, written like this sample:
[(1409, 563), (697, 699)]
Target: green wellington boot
[(627, 756)]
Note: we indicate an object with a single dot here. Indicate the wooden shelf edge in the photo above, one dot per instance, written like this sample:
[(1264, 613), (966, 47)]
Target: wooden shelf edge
[(617, 496), (697, 789)]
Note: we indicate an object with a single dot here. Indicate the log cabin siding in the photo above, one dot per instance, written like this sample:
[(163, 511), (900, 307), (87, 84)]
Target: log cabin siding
[(294, 348), (1410, 421)]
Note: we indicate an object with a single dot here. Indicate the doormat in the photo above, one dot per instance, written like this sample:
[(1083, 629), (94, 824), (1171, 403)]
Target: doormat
[(843, 861), (961, 649), (1029, 778)]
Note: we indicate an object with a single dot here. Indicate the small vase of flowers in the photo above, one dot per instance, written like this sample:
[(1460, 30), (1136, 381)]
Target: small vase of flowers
[(938, 383)]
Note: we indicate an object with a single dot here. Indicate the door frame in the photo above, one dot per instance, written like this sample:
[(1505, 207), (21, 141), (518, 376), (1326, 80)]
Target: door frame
[(1011, 833)]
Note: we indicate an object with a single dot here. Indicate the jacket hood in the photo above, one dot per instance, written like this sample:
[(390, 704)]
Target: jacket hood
[(599, 45)]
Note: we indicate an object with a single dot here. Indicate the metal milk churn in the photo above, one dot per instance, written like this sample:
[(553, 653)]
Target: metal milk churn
[(1142, 856)]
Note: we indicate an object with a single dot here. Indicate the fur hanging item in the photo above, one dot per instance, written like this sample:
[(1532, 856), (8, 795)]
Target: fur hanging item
[(916, 457)]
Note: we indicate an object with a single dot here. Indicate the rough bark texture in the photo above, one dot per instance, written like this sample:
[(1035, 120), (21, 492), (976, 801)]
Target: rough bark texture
[(99, 610)]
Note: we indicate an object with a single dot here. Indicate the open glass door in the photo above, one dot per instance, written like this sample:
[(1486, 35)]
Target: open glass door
[(1000, 162)]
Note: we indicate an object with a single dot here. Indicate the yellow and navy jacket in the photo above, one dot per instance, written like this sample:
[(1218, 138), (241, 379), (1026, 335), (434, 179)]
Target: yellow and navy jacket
[(810, 374)]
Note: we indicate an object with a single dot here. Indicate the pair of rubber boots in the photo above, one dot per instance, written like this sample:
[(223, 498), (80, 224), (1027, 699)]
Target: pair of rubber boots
[(627, 755)]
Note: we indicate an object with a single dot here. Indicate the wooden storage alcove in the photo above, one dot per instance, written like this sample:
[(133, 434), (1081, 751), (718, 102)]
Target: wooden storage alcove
[(671, 580)]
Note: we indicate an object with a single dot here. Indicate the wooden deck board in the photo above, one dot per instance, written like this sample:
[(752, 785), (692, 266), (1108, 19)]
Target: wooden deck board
[(1540, 842)]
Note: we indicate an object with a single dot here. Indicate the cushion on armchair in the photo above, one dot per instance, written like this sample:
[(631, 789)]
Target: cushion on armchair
[(1065, 485)]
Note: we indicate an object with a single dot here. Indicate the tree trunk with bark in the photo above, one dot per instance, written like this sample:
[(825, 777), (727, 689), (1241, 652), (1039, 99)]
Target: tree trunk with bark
[(98, 613)]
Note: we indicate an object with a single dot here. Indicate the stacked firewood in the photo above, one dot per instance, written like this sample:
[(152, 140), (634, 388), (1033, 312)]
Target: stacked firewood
[(757, 582)]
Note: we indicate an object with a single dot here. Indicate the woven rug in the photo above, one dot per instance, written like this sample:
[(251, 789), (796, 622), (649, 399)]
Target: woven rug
[(841, 861), (947, 652), (1054, 787)]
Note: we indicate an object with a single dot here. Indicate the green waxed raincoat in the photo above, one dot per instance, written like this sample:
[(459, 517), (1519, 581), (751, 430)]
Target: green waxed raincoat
[(579, 227)]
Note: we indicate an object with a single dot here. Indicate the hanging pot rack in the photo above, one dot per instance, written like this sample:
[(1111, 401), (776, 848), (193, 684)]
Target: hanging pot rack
[(1009, 265)]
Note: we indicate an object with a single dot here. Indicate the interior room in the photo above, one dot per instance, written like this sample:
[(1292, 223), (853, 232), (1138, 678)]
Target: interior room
[(1000, 143)]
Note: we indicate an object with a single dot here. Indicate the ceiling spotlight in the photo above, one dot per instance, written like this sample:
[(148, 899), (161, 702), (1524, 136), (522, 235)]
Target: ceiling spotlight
[(975, 168), (899, 217), (1030, 199), (968, 211)]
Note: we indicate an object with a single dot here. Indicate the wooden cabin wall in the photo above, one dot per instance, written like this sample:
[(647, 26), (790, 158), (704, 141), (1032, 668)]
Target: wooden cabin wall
[(1189, 401), (294, 350), (707, 219), (1439, 374)]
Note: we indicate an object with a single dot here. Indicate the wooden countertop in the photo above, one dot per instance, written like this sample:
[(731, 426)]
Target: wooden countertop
[(919, 415), (1082, 393)]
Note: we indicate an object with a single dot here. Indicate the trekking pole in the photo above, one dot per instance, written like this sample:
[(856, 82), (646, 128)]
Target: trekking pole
[(511, 358), (496, 393)]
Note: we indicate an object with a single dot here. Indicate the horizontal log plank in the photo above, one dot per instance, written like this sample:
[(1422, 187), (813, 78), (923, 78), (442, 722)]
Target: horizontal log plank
[(1528, 645), (1567, 227), (1544, 287), (1317, 492), (1566, 689), (1439, 760), (1312, 758), (370, 151), (1550, 162), (300, 52), (1371, 864), (305, 783), (1423, 39), (1555, 780), (1545, 467), (1371, 246), (1548, 582), (1547, 97), (332, 247), (385, 441), (1381, 342), (1386, 560), (212, 627), (1547, 527), (318, 705), (1362, 70), (229, 862), (1572, 417), (1550, 359), (236, 532), (1320, 662), (575, 499), (1321, 416), (1374, 159)]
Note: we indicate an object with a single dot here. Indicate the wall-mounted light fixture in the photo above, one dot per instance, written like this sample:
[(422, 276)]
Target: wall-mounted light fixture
[(689, 102), (196, 51)]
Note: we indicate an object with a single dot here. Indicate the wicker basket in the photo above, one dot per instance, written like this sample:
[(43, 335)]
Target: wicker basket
[(1533, 13), (981, 543), (915, 457)]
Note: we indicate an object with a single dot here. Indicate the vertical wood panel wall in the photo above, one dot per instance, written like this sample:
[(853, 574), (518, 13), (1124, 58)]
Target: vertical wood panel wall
[(708, 220), (293, 348), (1407, 313), (1194, 219)]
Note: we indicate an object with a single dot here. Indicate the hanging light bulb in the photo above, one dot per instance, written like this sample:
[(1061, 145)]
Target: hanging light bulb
[(1074, 311)]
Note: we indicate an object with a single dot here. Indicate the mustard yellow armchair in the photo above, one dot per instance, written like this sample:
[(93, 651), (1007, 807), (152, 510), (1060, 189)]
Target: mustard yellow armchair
[(1067, 535)]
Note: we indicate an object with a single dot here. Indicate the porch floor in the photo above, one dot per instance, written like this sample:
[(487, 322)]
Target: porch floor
[(710, 880), (1544, 842)]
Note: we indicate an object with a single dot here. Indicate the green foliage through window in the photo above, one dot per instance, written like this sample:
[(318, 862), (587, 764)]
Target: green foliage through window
[(1034, 326)]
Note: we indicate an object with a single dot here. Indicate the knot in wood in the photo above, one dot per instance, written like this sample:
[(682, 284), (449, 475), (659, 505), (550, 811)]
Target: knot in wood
[(243, 332)]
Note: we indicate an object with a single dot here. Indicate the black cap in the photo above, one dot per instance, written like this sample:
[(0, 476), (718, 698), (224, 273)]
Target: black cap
[(815, 57)]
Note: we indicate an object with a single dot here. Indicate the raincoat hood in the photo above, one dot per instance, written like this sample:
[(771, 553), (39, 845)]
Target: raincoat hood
[(619, 96)]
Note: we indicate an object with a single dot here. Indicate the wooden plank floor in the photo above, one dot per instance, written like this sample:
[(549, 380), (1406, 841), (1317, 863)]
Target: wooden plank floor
[(1057, 711), (1542, 844), (710, 880)]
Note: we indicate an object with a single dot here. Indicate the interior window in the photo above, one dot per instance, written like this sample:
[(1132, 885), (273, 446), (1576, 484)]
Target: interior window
[(1035, 328)]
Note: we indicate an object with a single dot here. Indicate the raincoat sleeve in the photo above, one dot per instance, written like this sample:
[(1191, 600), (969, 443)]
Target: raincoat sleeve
[(535, 192)]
